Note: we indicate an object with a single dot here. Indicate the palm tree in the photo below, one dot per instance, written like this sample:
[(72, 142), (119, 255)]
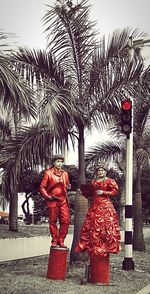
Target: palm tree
[(29, 147), (9, 159), (95, 75), (18, 99), (141, 155)]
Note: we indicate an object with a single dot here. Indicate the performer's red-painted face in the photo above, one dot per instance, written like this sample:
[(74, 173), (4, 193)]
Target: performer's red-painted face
[(101, 173), (58, 163)]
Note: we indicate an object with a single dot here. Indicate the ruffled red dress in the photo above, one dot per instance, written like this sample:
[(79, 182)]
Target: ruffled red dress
[(100, 232)]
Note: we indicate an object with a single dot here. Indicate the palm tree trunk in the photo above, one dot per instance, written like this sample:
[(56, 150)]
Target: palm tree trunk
[(81, 150), (13, 206), (81, 203), (138, 237), (13, 211), (80, 212)]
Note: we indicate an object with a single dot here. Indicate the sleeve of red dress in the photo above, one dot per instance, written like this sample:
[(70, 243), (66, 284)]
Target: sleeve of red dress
[(43, 186), (112, 188)]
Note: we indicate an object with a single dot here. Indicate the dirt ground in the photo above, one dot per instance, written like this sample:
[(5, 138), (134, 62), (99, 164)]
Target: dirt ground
[(28, 276)]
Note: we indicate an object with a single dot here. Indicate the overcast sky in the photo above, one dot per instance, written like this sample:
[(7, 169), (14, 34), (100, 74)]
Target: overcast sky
[(23, 18)]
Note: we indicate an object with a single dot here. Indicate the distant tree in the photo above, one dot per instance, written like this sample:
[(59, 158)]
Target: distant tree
[(29, 181)]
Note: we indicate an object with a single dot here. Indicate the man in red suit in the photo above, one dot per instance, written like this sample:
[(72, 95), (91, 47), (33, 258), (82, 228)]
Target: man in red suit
[(53, 188)]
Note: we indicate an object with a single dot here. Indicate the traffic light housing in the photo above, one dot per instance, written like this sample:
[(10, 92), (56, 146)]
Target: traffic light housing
[(126, 117)]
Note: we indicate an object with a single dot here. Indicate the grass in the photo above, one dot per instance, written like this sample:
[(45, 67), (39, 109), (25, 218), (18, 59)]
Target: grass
[(26, 231), (28, 276)]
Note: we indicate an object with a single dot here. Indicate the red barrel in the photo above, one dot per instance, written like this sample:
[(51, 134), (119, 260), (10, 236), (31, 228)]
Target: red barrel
[(99, 267), (57, 264)]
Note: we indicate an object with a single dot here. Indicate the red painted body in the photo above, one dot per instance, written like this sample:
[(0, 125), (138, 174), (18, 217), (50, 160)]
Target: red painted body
[(54, 183), (100, 232)]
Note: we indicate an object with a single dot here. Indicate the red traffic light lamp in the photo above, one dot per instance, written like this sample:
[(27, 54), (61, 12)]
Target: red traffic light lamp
[(126, 117), (127, 104)]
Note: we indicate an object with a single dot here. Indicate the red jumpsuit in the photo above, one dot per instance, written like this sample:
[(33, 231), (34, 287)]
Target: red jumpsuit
[(100, 233), (55, 183)]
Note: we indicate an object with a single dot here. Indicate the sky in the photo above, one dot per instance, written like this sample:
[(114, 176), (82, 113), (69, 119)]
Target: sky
[(24, 19)]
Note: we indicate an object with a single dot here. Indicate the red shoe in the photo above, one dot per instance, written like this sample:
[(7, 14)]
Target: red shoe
[(54, 244), (61, 244)]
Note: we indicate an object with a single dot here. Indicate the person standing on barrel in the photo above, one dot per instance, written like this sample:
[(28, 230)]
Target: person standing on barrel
[(100, 233), (53, 189)]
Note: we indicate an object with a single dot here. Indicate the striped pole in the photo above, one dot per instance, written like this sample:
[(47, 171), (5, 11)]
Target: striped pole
[(128, 263)]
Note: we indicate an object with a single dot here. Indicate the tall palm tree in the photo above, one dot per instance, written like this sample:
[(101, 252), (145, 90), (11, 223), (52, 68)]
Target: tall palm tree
[(95, 73), (36, 79), (141, 155)]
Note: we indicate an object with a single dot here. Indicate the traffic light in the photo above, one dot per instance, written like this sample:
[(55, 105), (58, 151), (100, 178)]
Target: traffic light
[(126, 117)]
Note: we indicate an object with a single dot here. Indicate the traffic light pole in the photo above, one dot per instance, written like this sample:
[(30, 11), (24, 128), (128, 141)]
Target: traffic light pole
[(128, 263)]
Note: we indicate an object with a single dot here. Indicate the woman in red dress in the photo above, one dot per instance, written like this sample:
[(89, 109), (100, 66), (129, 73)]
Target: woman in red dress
[(100, 233)]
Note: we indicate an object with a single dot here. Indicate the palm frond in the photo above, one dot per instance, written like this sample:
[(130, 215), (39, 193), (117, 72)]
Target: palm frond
[(5, 41), (112, 77), (56, 108), (104, 151), (5, 128), (38, 65), (25, 144), (118, 41), (14, 92), (72, 37), (142, 156), (31, 147)]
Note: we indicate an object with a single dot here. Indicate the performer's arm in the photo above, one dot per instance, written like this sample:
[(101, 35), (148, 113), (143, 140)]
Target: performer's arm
[(113, 189), (43, 186), (68, 185)]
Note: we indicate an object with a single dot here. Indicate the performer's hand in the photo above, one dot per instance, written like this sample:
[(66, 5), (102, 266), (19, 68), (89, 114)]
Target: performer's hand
[(68, 186), (99, 192), (51, 198)]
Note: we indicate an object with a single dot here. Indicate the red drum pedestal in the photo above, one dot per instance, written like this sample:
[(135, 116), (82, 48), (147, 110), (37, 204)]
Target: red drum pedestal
[(57, 264), (99, 269)]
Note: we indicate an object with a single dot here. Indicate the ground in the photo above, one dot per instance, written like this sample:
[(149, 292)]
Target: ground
[(24, 231), (28, 276)]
